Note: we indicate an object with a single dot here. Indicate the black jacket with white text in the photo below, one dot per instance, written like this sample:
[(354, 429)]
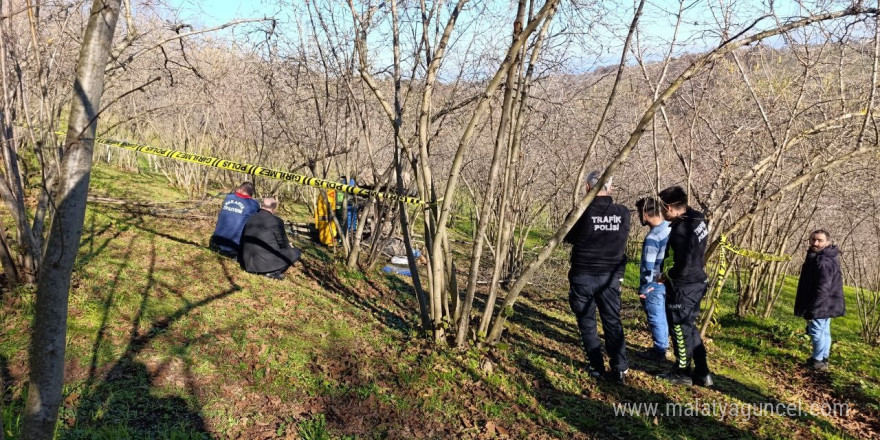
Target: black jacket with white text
[(599, 239), (687, 248)]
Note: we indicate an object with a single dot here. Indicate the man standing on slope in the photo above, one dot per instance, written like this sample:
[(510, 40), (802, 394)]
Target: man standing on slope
[(651, 291), (597, 266), (685, 286), (237, 207), (820, 295)]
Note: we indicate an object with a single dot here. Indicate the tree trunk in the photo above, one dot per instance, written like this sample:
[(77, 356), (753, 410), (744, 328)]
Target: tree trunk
[(53, 283)]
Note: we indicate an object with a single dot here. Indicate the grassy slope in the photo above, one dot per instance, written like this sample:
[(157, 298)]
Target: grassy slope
[(168, 340)]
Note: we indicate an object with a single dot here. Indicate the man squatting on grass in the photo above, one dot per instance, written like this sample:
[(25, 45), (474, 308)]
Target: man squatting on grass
[(237, 208), (686, 283), (598, 262), (651, 291), (820, 295), (265, 249)]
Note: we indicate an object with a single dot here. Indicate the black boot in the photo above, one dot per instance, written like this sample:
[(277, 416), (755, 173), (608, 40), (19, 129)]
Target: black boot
[(618, 377), (817, 364), (677, 377)]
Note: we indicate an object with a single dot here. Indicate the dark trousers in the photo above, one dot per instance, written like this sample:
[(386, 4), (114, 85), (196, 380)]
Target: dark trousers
[(682, 310), (587, 293)]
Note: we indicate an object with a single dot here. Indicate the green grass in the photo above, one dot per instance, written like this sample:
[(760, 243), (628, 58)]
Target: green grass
[(168, 340)]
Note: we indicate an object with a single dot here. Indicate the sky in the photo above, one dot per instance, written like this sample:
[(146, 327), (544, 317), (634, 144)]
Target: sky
[(657, 23), (215, 12)]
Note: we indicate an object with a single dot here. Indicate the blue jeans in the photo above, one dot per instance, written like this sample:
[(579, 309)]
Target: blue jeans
[(820, 331), (655, 309)]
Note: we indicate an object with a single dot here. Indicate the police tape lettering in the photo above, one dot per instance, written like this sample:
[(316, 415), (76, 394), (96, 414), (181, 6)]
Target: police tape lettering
[(259, 171)]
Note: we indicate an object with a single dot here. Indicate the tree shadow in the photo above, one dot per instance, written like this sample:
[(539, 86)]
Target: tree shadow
[(549, 327), (137, 221), (594, 417), (122, 402), (328, 276), (544, 324), (354, 404), (90, 240)]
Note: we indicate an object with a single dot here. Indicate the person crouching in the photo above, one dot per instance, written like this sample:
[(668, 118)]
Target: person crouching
[(265, 249)]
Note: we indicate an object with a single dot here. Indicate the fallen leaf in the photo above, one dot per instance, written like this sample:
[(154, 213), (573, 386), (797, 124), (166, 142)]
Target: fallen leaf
[(490, 427)]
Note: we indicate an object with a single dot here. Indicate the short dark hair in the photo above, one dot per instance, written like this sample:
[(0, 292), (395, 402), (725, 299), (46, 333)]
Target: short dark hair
[(673, 195), (247, 188), (648, 205), (821, 231)]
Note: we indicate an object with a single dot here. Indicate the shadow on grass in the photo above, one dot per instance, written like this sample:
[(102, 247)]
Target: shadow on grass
[(328, 275), (691, 427), (594, 417), (353, 402), (122, 403)]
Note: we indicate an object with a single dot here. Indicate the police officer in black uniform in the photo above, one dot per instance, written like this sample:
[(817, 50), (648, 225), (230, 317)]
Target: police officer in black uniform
[(685, 279), (598, 262)]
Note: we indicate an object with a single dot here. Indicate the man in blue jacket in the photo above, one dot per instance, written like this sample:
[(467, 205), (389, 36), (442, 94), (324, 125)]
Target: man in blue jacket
[(820, 295), (237, 207), (652, 292), (598, 262)]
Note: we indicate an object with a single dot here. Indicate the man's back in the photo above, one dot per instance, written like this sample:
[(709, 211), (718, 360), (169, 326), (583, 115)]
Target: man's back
[(599, 239), (687, 248), (236, 210), (264, 244)]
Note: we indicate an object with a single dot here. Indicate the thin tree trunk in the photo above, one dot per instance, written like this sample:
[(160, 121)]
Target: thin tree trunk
[(404, 222), (7, 260), (635, 135), (53, 283)]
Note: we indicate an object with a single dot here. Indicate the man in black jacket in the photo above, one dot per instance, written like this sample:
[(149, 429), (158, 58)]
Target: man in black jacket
[(265, 249), (685, 283), (820, 295), (597, 266)]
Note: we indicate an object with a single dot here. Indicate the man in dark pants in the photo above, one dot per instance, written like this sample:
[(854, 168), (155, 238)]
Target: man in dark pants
[(597, 266), (685, 283), (820, 296), (265, 249), (237, 208)]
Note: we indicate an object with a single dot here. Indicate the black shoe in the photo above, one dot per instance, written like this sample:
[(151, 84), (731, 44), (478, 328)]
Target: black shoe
[(595, 374), (703, 381), (817, 364), (274, 275), (652, 354), (618, 377), (677, 378)]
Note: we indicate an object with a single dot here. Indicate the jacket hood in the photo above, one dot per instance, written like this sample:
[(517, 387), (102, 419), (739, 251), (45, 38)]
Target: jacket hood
[(829, 251)]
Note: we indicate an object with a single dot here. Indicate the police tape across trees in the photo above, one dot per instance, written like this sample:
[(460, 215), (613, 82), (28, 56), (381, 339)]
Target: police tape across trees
[(255, 170)]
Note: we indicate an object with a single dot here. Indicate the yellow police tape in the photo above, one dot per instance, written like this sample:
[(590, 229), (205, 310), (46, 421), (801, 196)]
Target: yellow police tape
[(727, 246), (254, 170), (754, 255)]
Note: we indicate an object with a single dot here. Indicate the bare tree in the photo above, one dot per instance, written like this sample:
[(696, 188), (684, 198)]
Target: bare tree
[(53, 284)]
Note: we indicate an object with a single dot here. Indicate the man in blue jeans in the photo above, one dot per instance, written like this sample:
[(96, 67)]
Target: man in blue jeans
[(651, 291), (820, 295), (598, 262)]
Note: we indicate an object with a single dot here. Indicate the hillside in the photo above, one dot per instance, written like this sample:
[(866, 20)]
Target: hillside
[(169, 340)]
